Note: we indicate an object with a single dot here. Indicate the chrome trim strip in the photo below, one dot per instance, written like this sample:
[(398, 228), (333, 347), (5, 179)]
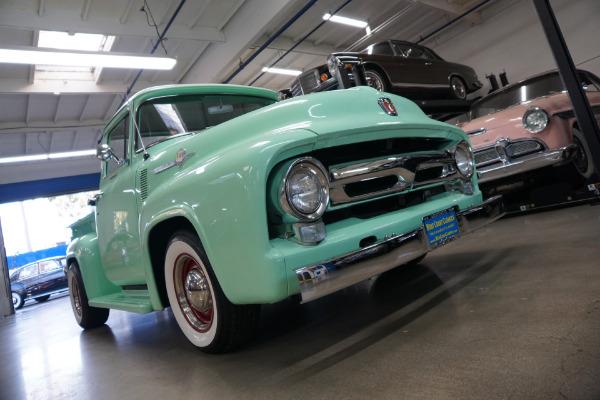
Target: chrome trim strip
[(180, 158), (477, 132), (526, 163), (332, 275), (500, 150), (404, 168), (421, 85)]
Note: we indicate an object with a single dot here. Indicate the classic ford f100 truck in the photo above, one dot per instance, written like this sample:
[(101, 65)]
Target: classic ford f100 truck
[(215, 199)]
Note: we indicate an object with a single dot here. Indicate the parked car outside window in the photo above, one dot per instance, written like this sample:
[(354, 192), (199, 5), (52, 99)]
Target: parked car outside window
[(38, 280)]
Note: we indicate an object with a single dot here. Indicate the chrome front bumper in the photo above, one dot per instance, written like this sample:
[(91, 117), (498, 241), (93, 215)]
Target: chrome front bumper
[(525, 163), (338, 273)]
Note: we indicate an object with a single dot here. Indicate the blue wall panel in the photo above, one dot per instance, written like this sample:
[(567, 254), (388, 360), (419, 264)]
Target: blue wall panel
[(48, 187)]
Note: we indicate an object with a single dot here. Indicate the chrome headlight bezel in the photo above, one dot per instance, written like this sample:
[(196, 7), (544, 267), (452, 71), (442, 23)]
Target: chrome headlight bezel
[(535, 119), (312, 169), (332, 64), (463, 158)]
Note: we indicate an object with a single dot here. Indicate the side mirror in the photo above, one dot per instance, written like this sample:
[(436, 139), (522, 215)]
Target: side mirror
[(104, 152)]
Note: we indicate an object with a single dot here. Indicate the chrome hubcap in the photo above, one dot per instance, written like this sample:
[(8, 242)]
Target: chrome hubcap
[(197, 291), (193, 293), (458, 88)]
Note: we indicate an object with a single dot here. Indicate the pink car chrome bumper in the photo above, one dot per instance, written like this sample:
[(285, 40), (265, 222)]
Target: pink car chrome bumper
[(507, 158)]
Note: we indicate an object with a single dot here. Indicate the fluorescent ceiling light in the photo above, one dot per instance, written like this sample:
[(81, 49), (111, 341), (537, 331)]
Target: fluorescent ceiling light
[(293, 72), (51, 156), (38, 55), (345, 21)]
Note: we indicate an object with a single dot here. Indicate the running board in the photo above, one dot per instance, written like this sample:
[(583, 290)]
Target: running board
[(137, 301)]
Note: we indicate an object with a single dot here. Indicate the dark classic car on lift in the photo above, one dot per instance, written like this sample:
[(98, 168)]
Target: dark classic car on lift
[(403, 68)]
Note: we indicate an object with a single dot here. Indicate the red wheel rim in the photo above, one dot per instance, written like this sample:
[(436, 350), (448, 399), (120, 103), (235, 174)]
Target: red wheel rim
[(199, 319)]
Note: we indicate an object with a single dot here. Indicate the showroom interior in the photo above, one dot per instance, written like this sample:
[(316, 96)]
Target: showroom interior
[(511, 310)]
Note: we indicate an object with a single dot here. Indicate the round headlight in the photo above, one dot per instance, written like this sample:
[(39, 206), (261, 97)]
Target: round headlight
[(463, 156), (535, 119), (305, 191), (332, 64)]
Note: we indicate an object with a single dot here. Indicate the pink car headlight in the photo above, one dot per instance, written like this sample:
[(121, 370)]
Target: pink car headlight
[(535, 119)]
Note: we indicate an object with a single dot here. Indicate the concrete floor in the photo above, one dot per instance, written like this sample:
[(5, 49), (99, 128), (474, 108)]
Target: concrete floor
[(509, 312)]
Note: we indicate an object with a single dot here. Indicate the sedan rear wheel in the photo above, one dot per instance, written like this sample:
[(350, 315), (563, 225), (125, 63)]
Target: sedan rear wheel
[(204, 314), (17, 300), (376, 80), (458, 88)]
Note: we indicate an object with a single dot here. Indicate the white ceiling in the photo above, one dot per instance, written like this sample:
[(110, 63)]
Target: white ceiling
[(209, 38)]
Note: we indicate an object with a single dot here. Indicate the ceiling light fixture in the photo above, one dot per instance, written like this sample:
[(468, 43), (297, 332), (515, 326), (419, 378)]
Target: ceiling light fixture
[(51, 156), (47, 56), (346, 21), (282, 71)]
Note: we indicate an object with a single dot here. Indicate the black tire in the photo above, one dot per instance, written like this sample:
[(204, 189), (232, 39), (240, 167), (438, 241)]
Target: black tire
[(86, 316), (210, 321), (457, 86), (376, 80), (17, 300), (582, 160), (42, 299)]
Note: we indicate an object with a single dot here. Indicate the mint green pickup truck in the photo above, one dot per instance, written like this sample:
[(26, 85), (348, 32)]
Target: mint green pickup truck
[(215, 199)]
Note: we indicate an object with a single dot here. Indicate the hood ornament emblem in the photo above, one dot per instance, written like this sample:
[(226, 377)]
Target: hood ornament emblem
[(180, 158), (387, 106)]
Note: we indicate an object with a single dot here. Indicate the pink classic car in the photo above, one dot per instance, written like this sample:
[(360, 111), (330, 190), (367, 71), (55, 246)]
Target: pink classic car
[(530, 125)]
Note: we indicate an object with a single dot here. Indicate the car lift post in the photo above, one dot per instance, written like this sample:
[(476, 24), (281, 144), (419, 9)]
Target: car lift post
[(568, 72)]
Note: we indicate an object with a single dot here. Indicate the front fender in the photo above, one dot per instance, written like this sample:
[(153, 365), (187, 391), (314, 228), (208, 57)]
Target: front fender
[(224, 199), (85, 251)]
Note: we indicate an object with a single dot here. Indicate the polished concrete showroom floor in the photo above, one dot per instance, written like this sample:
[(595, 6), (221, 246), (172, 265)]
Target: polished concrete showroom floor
[(509, 312)]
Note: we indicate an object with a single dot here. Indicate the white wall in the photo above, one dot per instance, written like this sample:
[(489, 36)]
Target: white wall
[(511, 39)]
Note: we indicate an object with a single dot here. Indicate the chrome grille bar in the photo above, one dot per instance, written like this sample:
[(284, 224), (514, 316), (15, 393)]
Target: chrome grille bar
[(435, 167)]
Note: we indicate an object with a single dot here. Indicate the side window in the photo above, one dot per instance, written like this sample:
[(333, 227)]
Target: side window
[(118, 140), (383, 49), (46, 266), (28, 271)]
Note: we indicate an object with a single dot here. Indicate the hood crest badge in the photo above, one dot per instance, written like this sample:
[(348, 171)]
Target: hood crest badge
[(180, 158), (387, 106)]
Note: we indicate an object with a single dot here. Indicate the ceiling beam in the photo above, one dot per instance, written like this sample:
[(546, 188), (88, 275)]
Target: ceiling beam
[(245, 27), (69, 20), (85, 106), (198, 12), (66, 87), (232, 10), (58, 105), (126, 12), (48, 126), (452, 8), (86, 10)]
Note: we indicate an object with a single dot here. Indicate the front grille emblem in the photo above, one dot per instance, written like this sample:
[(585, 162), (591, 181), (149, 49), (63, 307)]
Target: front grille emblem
[(387, 106)]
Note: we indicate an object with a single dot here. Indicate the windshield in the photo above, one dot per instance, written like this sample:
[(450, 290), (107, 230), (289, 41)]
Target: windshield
[(165, 117), (529, 90)]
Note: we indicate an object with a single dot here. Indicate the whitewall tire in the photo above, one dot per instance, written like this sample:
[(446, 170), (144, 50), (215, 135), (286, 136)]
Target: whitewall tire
[(202, 311)]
